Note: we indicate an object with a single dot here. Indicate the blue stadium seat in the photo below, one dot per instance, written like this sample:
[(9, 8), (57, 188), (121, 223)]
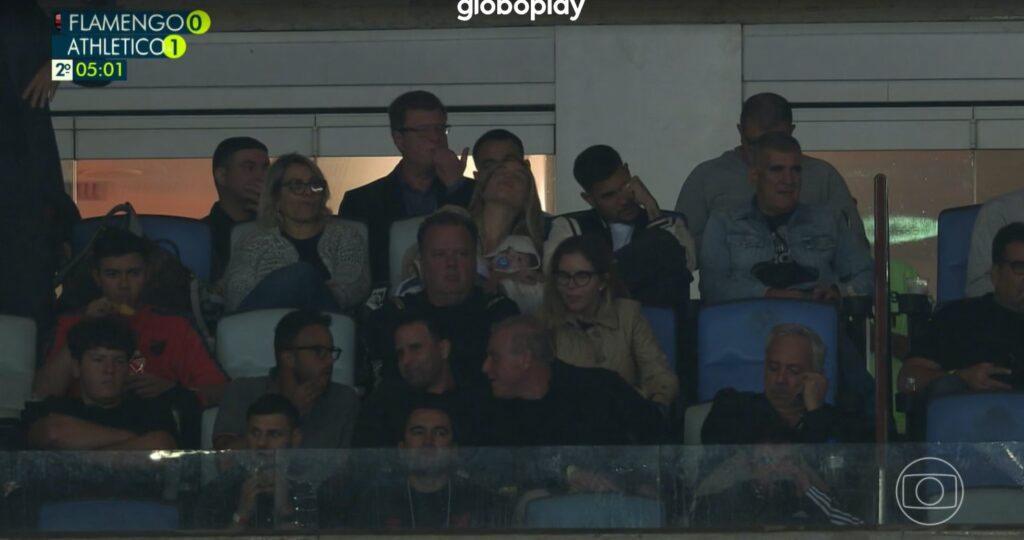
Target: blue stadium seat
[(108, 515), (245, 344), (955, 226), (594, 511), (731, 340), (17, 363), (978, 418), (188, 239), (663, 321)]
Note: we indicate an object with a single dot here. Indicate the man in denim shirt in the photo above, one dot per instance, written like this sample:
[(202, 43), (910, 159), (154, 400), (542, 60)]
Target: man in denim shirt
[(776, 247)]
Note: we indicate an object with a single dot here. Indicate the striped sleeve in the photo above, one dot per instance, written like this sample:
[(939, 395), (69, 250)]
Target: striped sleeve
[(824, 503)]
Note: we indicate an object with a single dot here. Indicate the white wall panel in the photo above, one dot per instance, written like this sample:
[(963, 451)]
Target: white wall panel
[(182, 143), (666, 97)]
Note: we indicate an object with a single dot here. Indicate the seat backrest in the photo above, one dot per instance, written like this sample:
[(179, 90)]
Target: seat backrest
[(402, 237), (693, 422), (108, 515), (731, 341), (594, 511), (187, 238), (976, 417), (245, 344), (17, 363), (663, 321), (955, 227)]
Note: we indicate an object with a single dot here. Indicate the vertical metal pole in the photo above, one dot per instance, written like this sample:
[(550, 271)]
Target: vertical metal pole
[(883, 377)]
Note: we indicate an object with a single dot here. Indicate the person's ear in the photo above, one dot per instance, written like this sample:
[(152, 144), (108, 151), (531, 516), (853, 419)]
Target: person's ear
[(526, 163), (739, 129), (76, 369), (446, 348), (296, 437), (792, 128), (586, 197), (396, 137), (220, 176), (625, 167), (96, 278), (992, 273), (401, 444), (752, 174)]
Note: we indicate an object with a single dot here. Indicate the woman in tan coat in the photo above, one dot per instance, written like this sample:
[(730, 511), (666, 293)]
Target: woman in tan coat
[(593, 325)]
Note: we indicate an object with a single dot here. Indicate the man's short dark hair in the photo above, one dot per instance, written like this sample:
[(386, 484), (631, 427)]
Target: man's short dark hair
[(775, 141), (117, 242), (1013, 232), (766, 110), (228, 147), (438, 330), (112, 333), (433, 402), (420, 100), (595, 164), (269, 404), (529, 335), (446, 218), (294, 322), (498, 135)]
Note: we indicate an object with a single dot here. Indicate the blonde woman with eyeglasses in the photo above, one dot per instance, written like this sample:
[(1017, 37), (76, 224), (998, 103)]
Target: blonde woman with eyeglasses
[(298, 257)]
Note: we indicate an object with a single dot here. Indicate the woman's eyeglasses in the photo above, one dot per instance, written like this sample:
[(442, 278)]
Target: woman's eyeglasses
[(580, 279), (298, 187)]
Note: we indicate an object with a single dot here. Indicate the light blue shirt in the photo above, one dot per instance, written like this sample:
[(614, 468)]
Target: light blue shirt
[(737, 238)]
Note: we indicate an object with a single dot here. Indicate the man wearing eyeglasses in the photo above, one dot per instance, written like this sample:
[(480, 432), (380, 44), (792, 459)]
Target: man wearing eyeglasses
[(429, 176), (977, 343), (305, 353)]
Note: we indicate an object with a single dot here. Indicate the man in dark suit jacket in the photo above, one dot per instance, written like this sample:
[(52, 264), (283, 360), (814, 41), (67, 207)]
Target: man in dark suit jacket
[(429, 176)]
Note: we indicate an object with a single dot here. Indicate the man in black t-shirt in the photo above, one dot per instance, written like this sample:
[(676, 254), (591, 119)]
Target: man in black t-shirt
[(427, 491), (976, 343), (422, 346), (104, 417)]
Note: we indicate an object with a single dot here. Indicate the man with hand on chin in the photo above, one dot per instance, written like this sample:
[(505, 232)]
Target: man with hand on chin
[(305, 354), (793, 403), (429, 176)]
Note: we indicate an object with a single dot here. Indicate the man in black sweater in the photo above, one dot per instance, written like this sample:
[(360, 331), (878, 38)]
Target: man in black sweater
[(550, 403)]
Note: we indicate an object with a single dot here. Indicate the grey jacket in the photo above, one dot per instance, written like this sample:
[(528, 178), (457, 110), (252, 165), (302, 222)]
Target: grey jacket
[(342, 247)]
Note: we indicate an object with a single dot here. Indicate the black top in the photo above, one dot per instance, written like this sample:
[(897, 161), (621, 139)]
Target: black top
[(309, 254), (382, 416), (380, 203), (749, 418), (220, 224), (583, 407), (469, 323), (391, 504), (140, 416), (967, 332)]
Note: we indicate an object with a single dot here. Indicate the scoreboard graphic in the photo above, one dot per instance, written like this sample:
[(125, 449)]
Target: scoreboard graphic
[(96, 45)]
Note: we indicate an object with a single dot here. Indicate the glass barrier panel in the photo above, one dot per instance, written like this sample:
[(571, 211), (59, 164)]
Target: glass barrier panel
[(683, 488)]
